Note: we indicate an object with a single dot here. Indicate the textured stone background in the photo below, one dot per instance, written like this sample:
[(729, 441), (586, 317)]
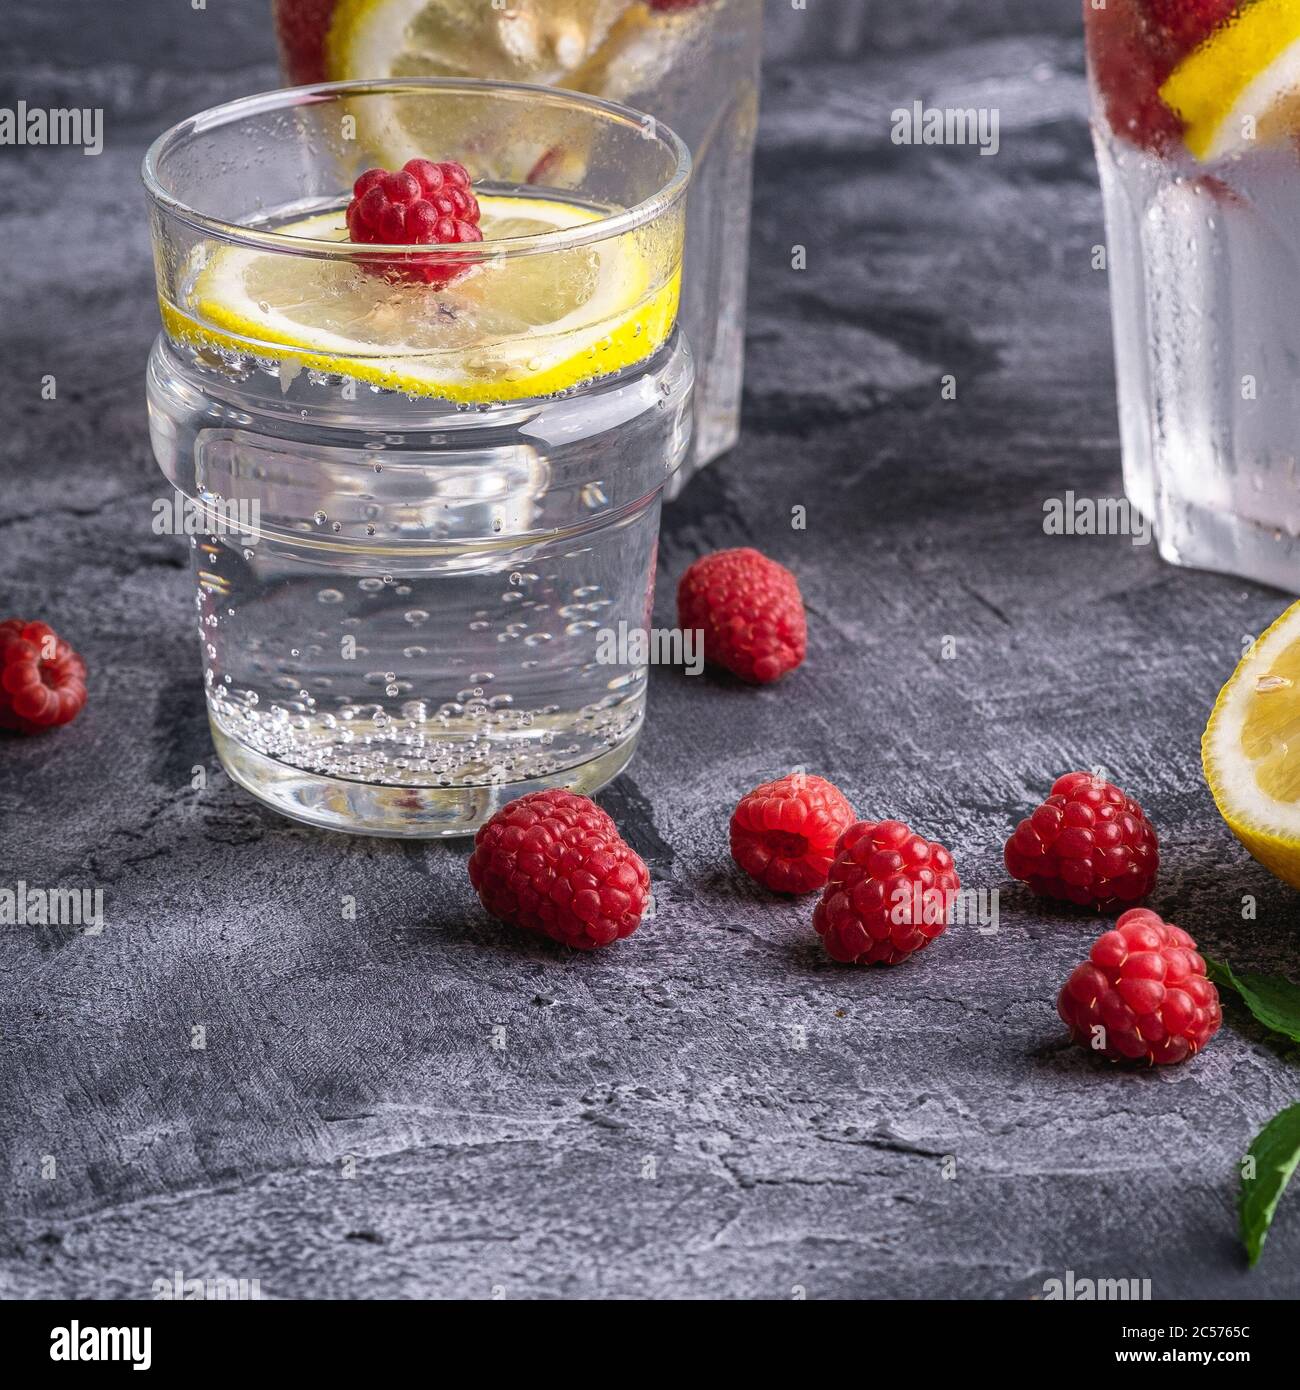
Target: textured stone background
[(524, 1169)]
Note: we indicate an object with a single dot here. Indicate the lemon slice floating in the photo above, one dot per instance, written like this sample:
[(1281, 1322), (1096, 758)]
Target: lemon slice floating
[(1241, 88), (609, 48), (526, 40), (1251, 749), (617, 49), (512, 328)]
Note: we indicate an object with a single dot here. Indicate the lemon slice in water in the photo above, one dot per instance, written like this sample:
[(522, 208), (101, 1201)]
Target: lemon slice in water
[(618, 49), (1251, 749), (546, 41), (1241, 88), (513, 327)]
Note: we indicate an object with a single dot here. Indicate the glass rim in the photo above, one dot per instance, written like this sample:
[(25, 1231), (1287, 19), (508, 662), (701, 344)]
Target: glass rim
[(601, 228)]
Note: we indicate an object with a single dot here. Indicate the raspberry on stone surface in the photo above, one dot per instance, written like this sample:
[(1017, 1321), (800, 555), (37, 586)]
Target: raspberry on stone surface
[(889, 894), (421, 204), (784, 833), (553, 862), (1142, 994), (42, 680), (750, 611), (1088, 844)]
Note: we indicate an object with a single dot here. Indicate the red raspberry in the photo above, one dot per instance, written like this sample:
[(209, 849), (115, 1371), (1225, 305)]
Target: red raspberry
[(1128, 70), (42, 680), (783, 833), (301, 26), (1087, 843), (1178, 26), (420, 204), (1142, 992), (889, 894), (750, 611), (1134, 45), (553, 862)]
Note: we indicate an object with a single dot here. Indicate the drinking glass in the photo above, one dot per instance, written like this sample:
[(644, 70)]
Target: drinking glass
[(428, 504), (1195, 128)]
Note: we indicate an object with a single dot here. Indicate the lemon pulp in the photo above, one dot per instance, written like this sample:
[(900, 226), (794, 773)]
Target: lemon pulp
[(606, 47)]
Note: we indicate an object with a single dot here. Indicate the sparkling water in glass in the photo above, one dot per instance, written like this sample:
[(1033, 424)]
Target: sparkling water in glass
[(429, 505)]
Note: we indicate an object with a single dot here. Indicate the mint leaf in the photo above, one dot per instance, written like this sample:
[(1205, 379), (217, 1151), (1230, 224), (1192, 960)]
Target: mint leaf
[(1273, 1000), (1274, 1154)]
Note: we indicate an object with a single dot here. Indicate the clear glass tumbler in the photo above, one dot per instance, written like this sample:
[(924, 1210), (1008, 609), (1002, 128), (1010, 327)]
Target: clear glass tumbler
[(692, 63), (430, 477), (1197, 133)]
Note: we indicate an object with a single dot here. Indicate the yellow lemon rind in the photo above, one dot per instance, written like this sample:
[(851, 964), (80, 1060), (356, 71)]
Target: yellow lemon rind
[(1274, 848), (1206, 89), (639, 336)]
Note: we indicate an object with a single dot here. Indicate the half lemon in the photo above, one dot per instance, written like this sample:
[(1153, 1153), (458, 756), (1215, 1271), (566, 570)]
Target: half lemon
[(1251, 749), (1241, 88), (515, 326)]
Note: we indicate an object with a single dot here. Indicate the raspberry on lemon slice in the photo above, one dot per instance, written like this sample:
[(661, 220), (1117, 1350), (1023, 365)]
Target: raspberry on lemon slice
[(1240, 88), (420, 204), (1251, 749)]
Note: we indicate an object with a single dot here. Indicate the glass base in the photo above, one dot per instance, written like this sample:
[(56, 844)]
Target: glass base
[(1205, 539), (413, 813)]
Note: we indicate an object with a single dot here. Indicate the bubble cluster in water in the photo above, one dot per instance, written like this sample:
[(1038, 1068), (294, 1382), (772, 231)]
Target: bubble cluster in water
[(416, 719)]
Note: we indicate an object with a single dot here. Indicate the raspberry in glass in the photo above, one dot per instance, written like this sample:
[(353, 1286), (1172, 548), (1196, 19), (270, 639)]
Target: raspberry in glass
[(421, 204), (301, 26)]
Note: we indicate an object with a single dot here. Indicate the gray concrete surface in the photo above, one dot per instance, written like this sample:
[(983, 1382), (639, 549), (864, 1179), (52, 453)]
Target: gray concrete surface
[(712, 1109)]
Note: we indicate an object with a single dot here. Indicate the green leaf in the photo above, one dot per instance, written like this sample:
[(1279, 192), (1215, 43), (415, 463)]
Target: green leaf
[(1276, 1152), (1273, 1000)]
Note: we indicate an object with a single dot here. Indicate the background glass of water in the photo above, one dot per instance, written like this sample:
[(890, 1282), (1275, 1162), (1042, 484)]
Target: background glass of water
[(691, 63)]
